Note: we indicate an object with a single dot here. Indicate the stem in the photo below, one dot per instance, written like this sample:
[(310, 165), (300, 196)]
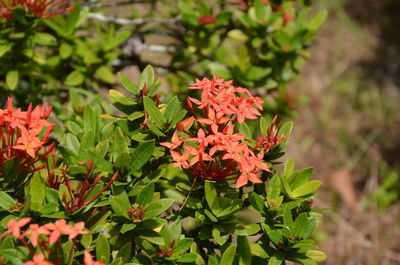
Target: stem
[(190, 191)]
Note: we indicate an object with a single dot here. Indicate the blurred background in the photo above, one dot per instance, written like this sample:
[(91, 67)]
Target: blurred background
[(349, 130)]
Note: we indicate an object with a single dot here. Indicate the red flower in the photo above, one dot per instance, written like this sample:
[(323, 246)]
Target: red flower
[(287, 16), (28, 142), (217, 152), (39, 8), (207, 19)]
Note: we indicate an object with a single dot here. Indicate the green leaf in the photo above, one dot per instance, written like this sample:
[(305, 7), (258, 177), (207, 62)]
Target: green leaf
[(300, 177), (157, 207), (86, 240), (244, 251), (228, 256), (72, 143), (117, 97), (257, 201), (37, 192), (211, 197), (90, 120), (153, 128), (87, 143), (6, 201), (73, 127), (274, 188), (286, 128), (258, 251), (12, 79), (120, 144), (65, 50), (306, 189), (289, 168), (317, 20), (287, 218), (126, 83), (147, 77), (105, 74), (300, 225), (146, 195), (120, 204), (257, 73), (45, 39), (315, 255), (154, 112), (72, 19), (102, 249), (188, 258), (142, 154), (216, 233), (75, 78), (276, 259), (182, 245), (4, 48), (125, 252), (172, 108)]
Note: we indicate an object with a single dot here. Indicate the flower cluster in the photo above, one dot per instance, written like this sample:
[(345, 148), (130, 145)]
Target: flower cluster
[(20, 135), (214, 151), (39, 8), (45, 236)]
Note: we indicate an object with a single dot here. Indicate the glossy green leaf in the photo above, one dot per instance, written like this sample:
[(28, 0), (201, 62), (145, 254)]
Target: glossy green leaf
[(228, 256), (12, 79), (154, 112), (147, 77), (276, 259), (211, 197), (146, 195), (126, 83), (120, 204), (4, 48), (72, 143), (244, 251), (182, 245), (74, 79), (6, 201), (316, 255), (105, 74), (188, 258), (172, 108), (66, 50), (300, 226), (102, 249), (158, 207), (142, 154), (317, 20), (306, 189), (37, 192)]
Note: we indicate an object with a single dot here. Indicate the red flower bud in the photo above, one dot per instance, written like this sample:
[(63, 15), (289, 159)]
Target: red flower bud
[(287, 16), (207, 19)]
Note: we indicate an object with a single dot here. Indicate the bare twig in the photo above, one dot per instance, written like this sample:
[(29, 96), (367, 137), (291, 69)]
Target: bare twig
[(137, 21)]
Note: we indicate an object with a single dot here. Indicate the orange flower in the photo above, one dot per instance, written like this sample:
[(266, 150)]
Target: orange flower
[(14, 227), (60, 227), (34, 231), (89, 260), (38, 259)]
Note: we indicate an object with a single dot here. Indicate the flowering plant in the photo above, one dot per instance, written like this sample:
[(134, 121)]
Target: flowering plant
[(112, 193)]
